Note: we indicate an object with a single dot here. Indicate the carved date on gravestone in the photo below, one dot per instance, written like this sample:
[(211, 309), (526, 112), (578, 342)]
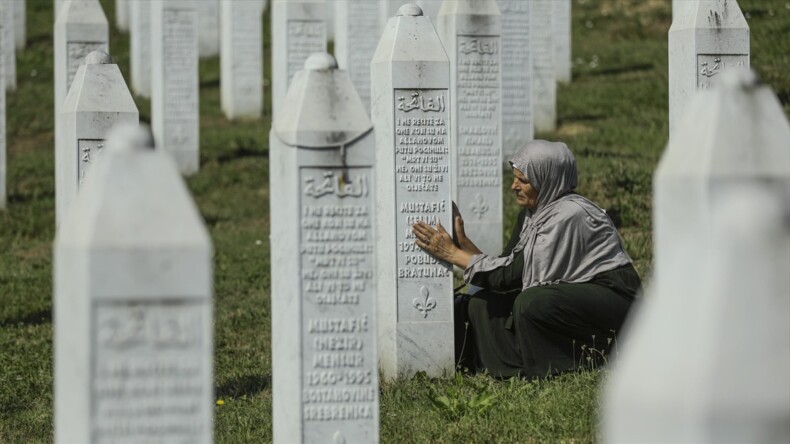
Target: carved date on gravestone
[(76, 52), (305, 37), (422, 190), (478, 101), (87, 151), (149, 372), (180, 77), (709, 66), (338, 344)]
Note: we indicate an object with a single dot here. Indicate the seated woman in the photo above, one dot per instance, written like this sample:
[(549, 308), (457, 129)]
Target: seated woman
[(555, 298)]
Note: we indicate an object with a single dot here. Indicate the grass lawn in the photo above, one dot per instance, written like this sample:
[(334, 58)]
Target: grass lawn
[(613, 115)]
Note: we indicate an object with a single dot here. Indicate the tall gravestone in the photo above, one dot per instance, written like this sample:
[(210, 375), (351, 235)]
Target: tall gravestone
[(561, 20), (357, 33), (727, 322), (175, 116), (122, 14), (298, 30), (517, 115), (97, 101), (706, 37), (411, 104), (544, 80), (322, 180), (133, 304), (208, 26), (140, 46), (9, 47), (3, 138), (471, 33), (20, 28), (241, 59)]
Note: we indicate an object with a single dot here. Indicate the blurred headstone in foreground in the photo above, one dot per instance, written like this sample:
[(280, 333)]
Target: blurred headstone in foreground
[(707, 356), (322, 182), (133, 304)]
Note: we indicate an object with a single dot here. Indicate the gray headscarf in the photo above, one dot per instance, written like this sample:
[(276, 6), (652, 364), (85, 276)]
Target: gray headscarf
[(565, 238)]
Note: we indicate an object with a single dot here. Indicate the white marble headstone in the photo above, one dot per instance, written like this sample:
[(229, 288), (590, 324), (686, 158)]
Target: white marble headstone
[(3, 137), (20, 27), (175, 115), (561, 20), (544, 82), (298, 30), (707, 357), (9, 47), (57, 5), (241, 59), (133, 346), (140, 46), (471, 33), (122, 14), (357, 33), (322, 180), (706, 37), (208, 26), (97, 101), (411, 104), (517, 120)]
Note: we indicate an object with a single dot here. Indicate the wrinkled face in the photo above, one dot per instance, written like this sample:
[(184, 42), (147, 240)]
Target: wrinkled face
[(526, 194)]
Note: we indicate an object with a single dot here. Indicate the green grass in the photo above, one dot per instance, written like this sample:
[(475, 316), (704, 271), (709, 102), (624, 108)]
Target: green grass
[(613, 115)]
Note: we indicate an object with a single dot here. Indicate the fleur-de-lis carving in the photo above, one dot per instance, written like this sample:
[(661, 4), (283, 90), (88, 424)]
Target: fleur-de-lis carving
[(479, 206), (426, 304)]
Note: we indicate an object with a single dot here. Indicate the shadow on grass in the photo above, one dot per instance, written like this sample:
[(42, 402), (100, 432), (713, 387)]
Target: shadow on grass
[(36, 318), (642, 67), (249, 385), (240, 153)]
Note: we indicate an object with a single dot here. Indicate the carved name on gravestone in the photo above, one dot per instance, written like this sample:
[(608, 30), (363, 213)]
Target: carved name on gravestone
[(133, 304), (174, 81), (298, 30), (208, 26), (561, 20), (20, 28), (324, 356), (9, 47), (140, 46), (471, 30), (706, 37), (544, 82), (241, 59), (97, 101), (410, 87), (517, 75), (357, 33), (734, 137)]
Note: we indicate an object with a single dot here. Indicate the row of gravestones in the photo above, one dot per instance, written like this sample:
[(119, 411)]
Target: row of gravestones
[(151, 324)]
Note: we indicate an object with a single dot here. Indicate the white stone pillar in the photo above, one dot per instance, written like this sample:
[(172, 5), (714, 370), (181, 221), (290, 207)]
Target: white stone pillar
[(357, 33), (471, 32), (57, 5), (241, 59), (20, 27), (410, 87), (122, 14), (561, 20), (175, 115), (544, 82), (140, 46), (322, 182), (707, 357), (517, 115), (133, 347), (9, 47), (298, 30), (208, 27), (707, 37), (97, 101)]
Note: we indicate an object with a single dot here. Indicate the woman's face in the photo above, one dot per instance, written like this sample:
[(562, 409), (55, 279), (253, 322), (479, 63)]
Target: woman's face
[(526, 194)]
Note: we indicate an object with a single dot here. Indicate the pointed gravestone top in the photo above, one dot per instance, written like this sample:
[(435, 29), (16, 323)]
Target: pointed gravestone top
[(98, 58), (325, 109), (409, 9)]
